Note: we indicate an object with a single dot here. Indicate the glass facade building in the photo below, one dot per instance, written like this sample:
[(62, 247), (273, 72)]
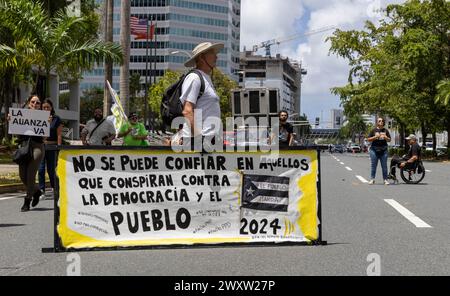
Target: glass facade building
[(181, 25)]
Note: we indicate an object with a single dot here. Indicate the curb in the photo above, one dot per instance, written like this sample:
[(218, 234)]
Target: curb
[(13, 188)]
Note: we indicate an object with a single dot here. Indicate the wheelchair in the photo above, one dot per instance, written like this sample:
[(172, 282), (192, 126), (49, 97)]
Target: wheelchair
[(410, 175)]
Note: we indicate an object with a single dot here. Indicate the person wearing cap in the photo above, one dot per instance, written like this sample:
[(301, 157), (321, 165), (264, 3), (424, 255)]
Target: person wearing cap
[(409, 159), (379, 137), (204, 59), (133, 132)]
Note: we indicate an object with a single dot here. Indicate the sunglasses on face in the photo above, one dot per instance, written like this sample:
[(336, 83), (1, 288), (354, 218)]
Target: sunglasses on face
[(35, 102)]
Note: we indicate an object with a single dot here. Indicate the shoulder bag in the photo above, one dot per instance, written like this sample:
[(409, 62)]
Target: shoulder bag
[(24, 153)]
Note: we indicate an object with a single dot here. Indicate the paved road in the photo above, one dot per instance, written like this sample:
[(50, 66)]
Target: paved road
[(357, 221)]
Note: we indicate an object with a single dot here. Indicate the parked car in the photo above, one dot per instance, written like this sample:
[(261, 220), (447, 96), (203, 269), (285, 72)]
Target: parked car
[(229, 138), (429, 146), (339, 148), (441, 150), (354, 148)]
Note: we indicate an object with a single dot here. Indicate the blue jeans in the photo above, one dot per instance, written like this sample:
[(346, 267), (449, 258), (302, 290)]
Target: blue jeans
[(374, 157), (48, 161)]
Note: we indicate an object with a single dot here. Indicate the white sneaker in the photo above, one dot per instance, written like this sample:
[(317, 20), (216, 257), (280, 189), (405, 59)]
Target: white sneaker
[(371, 182), (386, 182)]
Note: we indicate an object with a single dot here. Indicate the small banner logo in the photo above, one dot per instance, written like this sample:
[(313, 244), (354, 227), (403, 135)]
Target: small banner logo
[(265, 193)]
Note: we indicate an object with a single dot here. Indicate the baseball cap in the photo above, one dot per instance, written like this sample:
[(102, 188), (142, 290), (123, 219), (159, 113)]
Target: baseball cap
[(411, 137)]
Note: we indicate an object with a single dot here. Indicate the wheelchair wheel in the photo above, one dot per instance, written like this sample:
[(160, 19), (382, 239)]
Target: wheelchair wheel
[(411, 176)]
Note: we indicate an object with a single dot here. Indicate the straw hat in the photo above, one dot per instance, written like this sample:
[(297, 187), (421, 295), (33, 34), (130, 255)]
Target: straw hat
[(202, 48)]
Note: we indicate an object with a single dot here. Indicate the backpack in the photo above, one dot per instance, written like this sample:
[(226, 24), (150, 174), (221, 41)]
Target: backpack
[(171, 105)]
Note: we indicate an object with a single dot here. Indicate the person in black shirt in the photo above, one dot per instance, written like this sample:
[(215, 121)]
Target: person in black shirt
[(379, 137), (414, 154), (286, 132), (55, 138)]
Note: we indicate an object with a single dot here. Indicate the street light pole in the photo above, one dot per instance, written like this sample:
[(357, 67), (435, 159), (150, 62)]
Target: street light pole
[(188, 54)]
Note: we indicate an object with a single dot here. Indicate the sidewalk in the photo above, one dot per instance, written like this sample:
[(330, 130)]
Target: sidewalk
[(9, 168)]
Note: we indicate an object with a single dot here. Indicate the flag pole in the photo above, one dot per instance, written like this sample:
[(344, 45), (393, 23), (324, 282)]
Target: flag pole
[(151, 57), (146, 82), (156, 53)]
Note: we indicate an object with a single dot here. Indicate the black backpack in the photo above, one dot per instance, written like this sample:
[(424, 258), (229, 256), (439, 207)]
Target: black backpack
[(171, 106)]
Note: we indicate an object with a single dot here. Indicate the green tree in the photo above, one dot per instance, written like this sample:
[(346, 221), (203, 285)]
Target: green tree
[(396, 66), (89, 101), (222, 83), (51, 41), (136, 101), (355, 128), (443, 89)]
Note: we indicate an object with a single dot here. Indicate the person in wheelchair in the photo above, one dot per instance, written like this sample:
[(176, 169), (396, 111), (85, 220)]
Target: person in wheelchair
[(408, 161)]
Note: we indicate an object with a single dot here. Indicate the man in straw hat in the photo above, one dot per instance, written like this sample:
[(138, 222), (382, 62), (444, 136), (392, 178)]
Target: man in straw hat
[(203, 107)]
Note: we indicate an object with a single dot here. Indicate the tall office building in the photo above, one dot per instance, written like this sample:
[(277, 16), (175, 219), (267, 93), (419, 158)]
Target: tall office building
[(180, 26)]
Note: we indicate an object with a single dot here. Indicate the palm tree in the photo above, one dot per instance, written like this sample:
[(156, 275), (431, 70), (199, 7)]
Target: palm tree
[(53, 41), (109, 37), (443, 97), (125, 42)]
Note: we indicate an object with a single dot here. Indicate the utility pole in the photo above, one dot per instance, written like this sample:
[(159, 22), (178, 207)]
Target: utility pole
[(146, 79)]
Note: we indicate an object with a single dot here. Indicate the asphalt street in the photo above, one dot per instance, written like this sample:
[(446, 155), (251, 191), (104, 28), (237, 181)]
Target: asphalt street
[(407, 226)]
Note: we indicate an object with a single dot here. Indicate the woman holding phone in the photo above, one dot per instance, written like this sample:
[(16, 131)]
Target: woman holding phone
[(379, 138)]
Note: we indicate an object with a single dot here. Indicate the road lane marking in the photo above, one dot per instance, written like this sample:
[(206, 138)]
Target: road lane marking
[(419, 223), (6, 198), (428, 171), (348, 169), (342, 163), (362, 179)]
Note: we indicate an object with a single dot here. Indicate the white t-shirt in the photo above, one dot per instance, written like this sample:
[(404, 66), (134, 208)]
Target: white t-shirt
[(106, 129), (208, 103)]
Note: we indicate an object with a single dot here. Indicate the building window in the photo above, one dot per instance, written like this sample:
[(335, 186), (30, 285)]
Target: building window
[(237, 102), (255, 74), (273, 102), (254, 102)]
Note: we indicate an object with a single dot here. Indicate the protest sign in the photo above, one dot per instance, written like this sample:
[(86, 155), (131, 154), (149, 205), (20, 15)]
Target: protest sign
[(29, 122), (134, 198)]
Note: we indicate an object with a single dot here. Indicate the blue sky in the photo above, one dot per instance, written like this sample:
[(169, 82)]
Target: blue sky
[(268, 19)]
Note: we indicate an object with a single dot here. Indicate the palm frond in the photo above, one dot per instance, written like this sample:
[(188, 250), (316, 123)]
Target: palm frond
[(443, 89), (91, 52), (8, 57)]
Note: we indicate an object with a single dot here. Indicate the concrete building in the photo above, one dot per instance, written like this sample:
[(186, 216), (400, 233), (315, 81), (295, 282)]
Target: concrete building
[(268, 85), (337, 118), (181, 25)]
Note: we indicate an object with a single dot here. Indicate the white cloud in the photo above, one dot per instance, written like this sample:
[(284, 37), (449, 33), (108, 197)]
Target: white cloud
[(268, 19), (263, 20)]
